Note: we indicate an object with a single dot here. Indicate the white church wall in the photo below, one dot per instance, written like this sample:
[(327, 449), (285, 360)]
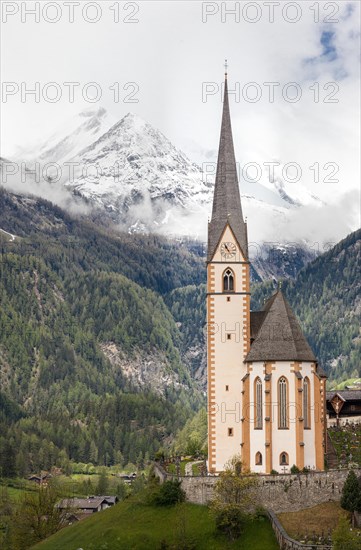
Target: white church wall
[(257, 436), (229, 317), (309, 434), (283, 440)]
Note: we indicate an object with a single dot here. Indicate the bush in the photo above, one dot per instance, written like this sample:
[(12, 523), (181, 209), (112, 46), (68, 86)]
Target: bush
[(274, 472), (260, 513), (343, 538), (351, 494), (169, 493), (229, 520), (295, 469)]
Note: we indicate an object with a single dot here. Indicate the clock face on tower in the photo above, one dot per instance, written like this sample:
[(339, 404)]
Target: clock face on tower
[(228, 250)]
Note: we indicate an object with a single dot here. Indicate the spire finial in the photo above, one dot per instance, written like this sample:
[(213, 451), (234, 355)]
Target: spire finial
[(225, 67)]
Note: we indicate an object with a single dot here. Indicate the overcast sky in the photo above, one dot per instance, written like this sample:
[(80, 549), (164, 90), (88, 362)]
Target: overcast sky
[(171, 50)]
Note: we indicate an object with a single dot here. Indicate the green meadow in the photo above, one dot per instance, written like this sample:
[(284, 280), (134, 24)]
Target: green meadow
[(133, 525)]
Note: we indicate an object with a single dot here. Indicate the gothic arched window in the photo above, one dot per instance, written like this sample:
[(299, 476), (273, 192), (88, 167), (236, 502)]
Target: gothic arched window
[(306, 404), (228, 280), (283, 459), (258, 459), (282, 403), (258, 405)]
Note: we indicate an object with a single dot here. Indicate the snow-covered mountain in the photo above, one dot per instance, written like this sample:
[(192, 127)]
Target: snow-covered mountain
[(130, 174), (140, 179)]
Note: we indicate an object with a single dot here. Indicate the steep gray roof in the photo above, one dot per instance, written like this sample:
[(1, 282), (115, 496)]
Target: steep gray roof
[(347, 395), (257, 318), (226, 200), (278, 336), (321, 372)]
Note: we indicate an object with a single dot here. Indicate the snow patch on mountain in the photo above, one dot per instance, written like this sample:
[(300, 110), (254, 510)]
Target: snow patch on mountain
[(140, 179)]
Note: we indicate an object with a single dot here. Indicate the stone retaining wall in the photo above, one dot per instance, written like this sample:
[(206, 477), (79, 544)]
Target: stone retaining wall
[(278, 493)]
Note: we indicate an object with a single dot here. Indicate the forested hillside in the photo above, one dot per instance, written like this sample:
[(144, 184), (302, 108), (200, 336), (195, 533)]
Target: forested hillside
[(326, 297), (102, 354), (48, 232), (81, 312)]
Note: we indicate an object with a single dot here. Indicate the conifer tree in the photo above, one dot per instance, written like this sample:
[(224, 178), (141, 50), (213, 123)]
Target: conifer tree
[(351, 493)]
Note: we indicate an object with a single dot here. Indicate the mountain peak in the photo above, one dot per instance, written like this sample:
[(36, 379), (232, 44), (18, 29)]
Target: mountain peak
[(132, 120)]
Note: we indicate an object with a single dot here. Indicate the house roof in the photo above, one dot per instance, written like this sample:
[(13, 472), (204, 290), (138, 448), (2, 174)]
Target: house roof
[(108, 498), (226, 200), (82, 503), (345, 395), (277, 334), (40, 477)]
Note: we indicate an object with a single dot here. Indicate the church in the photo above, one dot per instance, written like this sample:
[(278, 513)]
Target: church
[(266, 391)]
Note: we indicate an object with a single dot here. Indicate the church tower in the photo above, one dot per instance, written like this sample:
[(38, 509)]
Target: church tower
[(266, 391), (228, 305)]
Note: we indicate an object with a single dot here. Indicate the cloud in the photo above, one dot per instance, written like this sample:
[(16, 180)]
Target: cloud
[(19, 178), (322, 58), (321, 227)]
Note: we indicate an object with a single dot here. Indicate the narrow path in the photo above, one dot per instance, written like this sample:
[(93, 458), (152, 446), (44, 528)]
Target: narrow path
[(332, 458), (188, 467)]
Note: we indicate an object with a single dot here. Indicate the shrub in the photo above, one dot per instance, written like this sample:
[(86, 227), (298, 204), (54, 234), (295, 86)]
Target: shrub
[(169, 493), (295, 469), (260, 513), (229, 520), (343, 538), (351, 494), (274, 472)]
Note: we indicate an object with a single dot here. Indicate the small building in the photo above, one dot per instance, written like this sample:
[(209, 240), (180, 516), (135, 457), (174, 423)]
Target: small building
[(88, 505), (72, 518), (343, 407), (41, 479), (127, 478), (109, 500)]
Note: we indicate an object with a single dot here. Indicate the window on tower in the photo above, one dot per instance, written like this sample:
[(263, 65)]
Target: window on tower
[(228, 280), (258, 458)]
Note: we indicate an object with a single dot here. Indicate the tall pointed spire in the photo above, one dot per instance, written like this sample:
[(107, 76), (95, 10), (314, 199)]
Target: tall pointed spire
[(226, 200)]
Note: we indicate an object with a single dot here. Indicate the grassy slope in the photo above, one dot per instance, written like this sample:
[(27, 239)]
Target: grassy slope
[(348, 382), (133, 525), (319, 519)]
